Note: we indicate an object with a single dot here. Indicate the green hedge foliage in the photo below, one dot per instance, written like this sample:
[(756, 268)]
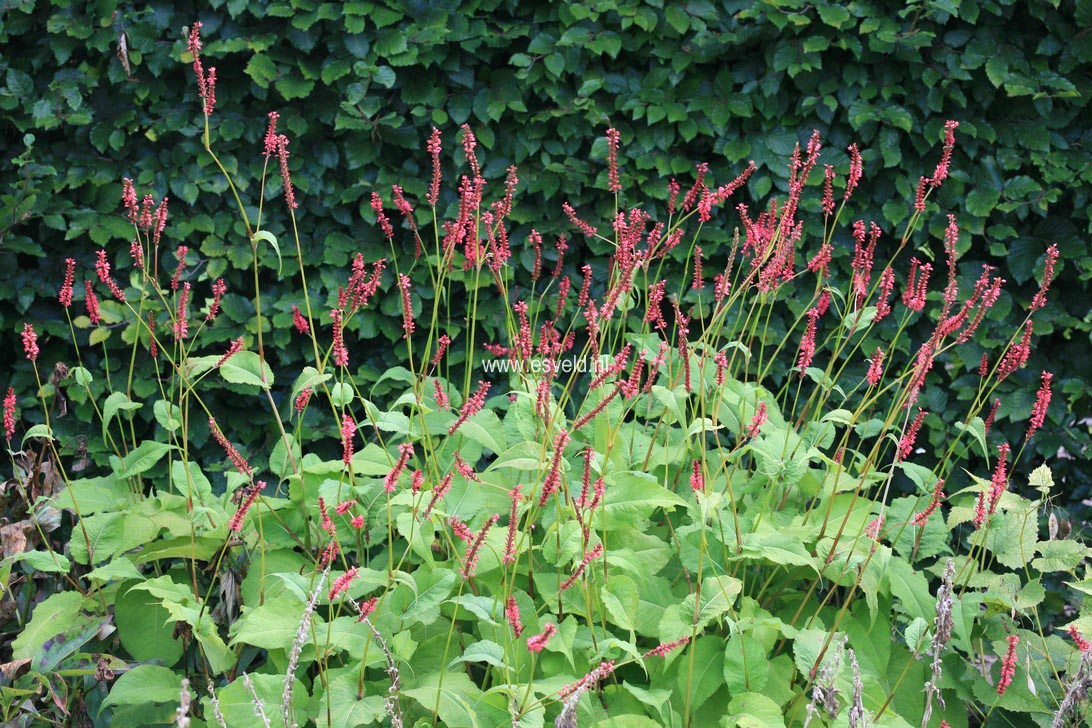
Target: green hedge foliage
[(359, 85)]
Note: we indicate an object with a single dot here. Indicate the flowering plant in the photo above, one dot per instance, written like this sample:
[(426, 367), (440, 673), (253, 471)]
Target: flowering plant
[(718, 520)]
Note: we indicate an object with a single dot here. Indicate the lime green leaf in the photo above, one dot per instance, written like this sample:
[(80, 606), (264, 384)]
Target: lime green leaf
[(265, 234), (117, 401), (145, 684), (246, 367)]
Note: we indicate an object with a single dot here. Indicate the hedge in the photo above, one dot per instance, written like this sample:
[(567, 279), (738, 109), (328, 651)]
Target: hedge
[(360, 84)]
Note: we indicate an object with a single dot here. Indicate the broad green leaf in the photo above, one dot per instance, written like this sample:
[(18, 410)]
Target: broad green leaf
[(746, 665), (309, 378), (341, 394), (49, 617), (105, 535), (452, 692), (145, 684), (271, 626), (145, 627), (718, 594), (237, 702), (167, 414), (347, 709), (621, 599), (42, 431), (484, 651), (44, 561), (1059, 555), (910, 590), (92, 495), (140, 460), (697, 686), (246, 367), (632, 495)]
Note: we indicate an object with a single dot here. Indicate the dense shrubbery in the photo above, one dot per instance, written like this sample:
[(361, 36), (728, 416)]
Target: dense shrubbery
[(359, 84), (730, 517)]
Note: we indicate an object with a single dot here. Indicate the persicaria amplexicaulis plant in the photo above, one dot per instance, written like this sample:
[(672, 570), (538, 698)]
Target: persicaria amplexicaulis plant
[(689, 483)]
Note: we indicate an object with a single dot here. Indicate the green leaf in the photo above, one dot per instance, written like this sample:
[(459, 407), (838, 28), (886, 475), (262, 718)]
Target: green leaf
[(141, 460), (145, 627), (484, 651), (631, 495), (117, 401), (167, 414), (708, 671), (1059, 555), (981, 201), (92, 495), (265, 234), (341, 394), (261, 69), (50, 617), (271, 626), (42, 431), (237, 702), (44, 561), (347, 709), (109, 534), (246, 367), (746, 665), (145, 684), (834, 15), (452, 692), (718, 594), (911, 590)]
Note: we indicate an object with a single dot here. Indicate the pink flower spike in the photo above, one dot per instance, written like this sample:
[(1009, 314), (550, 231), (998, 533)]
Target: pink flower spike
[(219, 288), (348, 430), (758, 420), (1042, 402), (30, 342), (236, 523), (302, 399), (1008, 665), (1082, 644), (665, 647), (472, 406), (92, 302), (906, 443), (9, 414), (408, 325), (270, 145), (538, 642), (233, 454), (433, 195), (511, 613), (181, 322), (697, 479), (875, 368), (235, 348), (341, 584), (65, 295), (299, 321), (344, 507), (613, 138), (381, 217), (1048, 275)]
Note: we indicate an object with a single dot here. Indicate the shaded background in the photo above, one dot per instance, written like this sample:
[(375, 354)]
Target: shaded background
[(359, 85)]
